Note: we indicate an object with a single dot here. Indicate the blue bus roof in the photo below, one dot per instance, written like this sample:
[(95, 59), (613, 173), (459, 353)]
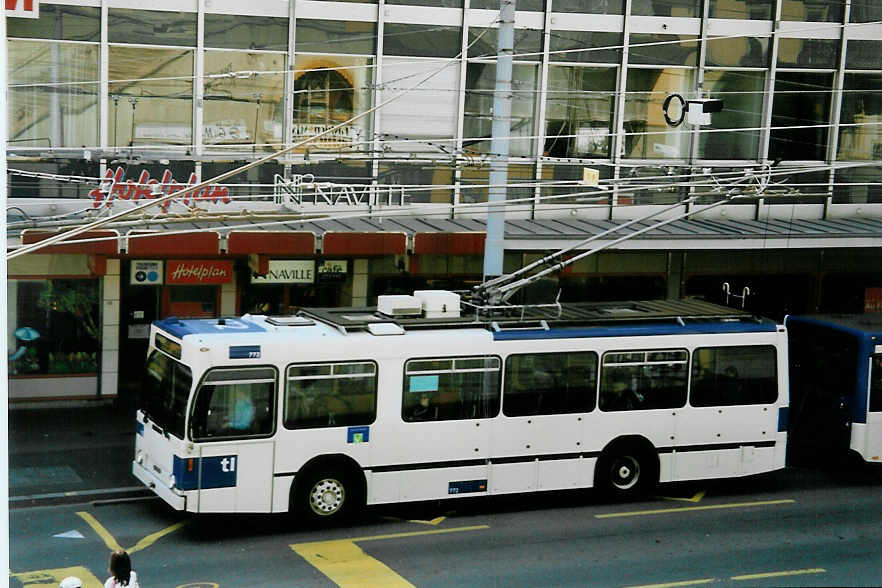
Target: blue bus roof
[(859, 325), (180, 327)]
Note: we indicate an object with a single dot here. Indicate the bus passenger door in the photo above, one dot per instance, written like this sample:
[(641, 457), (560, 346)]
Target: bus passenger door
[(870, 446), (236, 477)]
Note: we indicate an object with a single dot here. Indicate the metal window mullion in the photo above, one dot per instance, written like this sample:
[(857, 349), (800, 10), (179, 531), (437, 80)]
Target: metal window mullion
[(836, 103), (104, 86), (539, 126), (618, 138), (288, 101), (376, 94), (699, 82), (198, 83), (766, 133), (460, 108)]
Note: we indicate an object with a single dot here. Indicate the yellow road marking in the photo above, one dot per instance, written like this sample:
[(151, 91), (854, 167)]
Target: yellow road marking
[(348, 566), (434, 521), (153, 537), (779, 574), (113, 545), (44, 578), (637, 513), (673, 584), (105, 535), (696, 498)]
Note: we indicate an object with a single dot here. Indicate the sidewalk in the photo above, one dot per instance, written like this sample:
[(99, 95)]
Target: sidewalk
[(71, 454)]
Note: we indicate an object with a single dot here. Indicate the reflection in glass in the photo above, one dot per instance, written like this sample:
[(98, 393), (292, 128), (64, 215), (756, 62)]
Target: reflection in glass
[(246, 32), (421, 40), (858, 185), (742, 95), (562, 43), (800, 99), (535, 5), (335, 36), (151, 27), (812, 10), (681, 8), (742, 9), (865, 12), (476, 179), (244, 108), (53, 94), (329, 90), (527, 43), (863, 53), (69, 23), (647, 133), (480, 82), (560, 194), (815, 53), (663, 49), (420, 177), (738, 52), (427, 113), (595, 7), (579, 111), (860, 131)]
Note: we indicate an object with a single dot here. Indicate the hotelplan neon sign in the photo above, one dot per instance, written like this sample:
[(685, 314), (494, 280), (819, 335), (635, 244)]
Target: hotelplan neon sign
[(114, 185)]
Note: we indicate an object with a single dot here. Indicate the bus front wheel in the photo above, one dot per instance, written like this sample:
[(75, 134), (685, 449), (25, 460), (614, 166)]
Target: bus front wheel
[(325, 497), (626, 471)]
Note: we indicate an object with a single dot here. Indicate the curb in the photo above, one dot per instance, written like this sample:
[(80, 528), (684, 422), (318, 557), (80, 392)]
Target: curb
[(79, 496)]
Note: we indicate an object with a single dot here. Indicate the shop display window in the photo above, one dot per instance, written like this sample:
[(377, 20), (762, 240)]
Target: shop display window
[(151, 96), (329, 90), (335, 36), (860, 131), (578, 111), (151, 27), (742, 9), (243, 99), (246, 32), (598, 47), (480, 84), (742, 95), (57, 21), (53, 94), (648, 136), (801, 99), (54, 326)]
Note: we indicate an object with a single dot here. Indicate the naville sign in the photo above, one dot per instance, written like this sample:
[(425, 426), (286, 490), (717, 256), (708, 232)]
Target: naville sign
[(23, 8)]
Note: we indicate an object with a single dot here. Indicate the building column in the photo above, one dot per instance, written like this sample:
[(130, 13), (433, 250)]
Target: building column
[(360, 269), (228, 298), (110, 324)]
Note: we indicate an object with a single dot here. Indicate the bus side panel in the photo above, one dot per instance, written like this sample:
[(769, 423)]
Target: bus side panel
[(236, 477)]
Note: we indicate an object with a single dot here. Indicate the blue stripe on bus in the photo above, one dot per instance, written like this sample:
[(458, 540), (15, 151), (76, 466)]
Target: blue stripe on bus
[(636, 330), (783, 418)]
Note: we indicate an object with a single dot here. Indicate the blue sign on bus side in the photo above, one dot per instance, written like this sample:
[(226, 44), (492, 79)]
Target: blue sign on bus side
[(358, 434), (244, 351), (215, 472)]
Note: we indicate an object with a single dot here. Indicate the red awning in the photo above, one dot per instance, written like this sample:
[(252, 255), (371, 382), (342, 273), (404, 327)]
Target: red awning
[(106, 246), (354, 244), (271, 243), (449, 243), (182, 245)]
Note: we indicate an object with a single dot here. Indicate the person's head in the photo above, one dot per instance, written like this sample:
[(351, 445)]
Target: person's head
[(120, 566), (71, 582)]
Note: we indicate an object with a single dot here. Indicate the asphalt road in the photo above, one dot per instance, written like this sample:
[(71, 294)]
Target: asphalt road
[(792, 528)]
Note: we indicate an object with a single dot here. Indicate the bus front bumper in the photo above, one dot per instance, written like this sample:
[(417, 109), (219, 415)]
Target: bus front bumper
[(175, 500)]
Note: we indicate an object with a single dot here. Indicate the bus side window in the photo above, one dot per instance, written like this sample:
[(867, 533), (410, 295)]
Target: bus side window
[(728, 376), (875, 400)]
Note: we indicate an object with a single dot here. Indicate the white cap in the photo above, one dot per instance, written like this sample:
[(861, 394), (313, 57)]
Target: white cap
[(71, 582)]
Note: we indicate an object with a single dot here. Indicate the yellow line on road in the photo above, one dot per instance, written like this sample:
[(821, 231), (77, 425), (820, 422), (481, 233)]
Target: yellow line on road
[(153, 537), (779, 574), (348, 566), (637, 513), (105, 535), (673, 584)]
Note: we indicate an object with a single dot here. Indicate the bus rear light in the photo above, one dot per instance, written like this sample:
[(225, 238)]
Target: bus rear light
[(171, 481), (139, 457), (190, 465)]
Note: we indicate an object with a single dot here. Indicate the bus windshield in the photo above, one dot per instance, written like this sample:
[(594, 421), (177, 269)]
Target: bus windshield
[(166, 389)]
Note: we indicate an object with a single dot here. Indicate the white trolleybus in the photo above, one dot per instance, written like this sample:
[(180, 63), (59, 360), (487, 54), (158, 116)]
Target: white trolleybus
[(323, 412)]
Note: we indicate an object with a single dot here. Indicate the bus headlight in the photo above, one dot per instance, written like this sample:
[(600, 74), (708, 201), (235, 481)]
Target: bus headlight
[(171, 481), (139, 457)]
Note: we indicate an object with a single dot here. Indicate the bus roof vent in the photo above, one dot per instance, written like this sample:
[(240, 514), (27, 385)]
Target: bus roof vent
[(385, 329), (438, 303), (289, 321), (399, 305)]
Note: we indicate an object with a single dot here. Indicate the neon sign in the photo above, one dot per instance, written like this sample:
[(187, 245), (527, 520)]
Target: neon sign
[(115, 185)]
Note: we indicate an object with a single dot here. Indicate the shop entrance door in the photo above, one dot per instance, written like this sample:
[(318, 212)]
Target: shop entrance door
[(190, 301)]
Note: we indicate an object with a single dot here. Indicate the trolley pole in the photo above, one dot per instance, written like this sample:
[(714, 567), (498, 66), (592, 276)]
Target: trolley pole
[(500, 142)]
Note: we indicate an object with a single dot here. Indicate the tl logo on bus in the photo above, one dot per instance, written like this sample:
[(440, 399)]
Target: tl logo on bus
[(218, 471)]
